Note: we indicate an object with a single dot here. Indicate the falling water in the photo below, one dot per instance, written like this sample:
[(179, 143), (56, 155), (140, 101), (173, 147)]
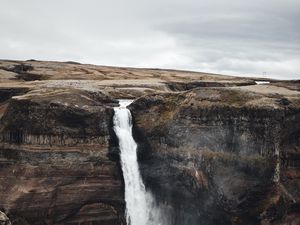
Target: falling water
[(140, 207)]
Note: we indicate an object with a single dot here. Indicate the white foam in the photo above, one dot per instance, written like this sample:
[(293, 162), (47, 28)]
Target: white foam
[(140, 206)]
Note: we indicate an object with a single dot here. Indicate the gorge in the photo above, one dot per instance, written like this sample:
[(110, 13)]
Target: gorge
[(200, 148), (140, 205)]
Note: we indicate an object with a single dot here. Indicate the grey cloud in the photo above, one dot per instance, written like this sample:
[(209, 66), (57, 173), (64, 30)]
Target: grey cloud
[(233, 36)]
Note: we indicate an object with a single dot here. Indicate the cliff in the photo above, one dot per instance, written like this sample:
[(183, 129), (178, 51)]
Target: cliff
[(213, 149), (222, 155), (55, 162)]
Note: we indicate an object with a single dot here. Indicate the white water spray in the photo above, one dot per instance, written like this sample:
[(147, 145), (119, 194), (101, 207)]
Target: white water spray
[(140, 207)]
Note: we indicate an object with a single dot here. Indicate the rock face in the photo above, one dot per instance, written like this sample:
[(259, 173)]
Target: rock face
[(213, 149), (220, 156), (55, 161)]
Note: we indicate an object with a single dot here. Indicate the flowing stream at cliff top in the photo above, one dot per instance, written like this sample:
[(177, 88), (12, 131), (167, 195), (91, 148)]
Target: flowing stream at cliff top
[(140, 207)]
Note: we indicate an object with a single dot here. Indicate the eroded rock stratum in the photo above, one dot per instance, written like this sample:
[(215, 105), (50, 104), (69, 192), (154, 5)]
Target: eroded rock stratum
[(221, 156), (214, 149)]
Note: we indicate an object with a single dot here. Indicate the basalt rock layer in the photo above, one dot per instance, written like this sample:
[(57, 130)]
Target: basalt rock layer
[(221, 156), (55, 163)]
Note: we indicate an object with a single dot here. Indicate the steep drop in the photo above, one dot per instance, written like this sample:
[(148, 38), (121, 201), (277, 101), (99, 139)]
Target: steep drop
[(140, 207)]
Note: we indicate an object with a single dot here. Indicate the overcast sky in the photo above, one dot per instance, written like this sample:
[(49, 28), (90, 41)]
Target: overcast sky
[(237, 37)]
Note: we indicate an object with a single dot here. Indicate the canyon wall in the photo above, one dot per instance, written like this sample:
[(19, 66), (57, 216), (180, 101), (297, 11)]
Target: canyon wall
[(220, 156), (213, 149), (56, 167)]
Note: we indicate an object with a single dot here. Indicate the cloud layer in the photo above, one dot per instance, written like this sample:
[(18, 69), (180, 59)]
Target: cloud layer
[(258, 38)]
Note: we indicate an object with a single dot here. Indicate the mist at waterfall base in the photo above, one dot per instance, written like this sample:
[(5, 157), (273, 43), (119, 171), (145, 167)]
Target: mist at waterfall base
[(141, 208)]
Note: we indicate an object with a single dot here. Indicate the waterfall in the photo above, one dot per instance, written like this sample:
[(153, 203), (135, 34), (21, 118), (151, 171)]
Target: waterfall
[(140, 207)]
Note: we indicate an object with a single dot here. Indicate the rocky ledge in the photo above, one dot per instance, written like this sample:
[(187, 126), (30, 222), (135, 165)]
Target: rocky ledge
[(213, 149)]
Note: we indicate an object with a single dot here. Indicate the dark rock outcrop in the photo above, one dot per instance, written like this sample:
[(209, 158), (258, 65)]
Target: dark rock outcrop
[(184, 86), (7, 93), (216, 155), (55, 161)]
